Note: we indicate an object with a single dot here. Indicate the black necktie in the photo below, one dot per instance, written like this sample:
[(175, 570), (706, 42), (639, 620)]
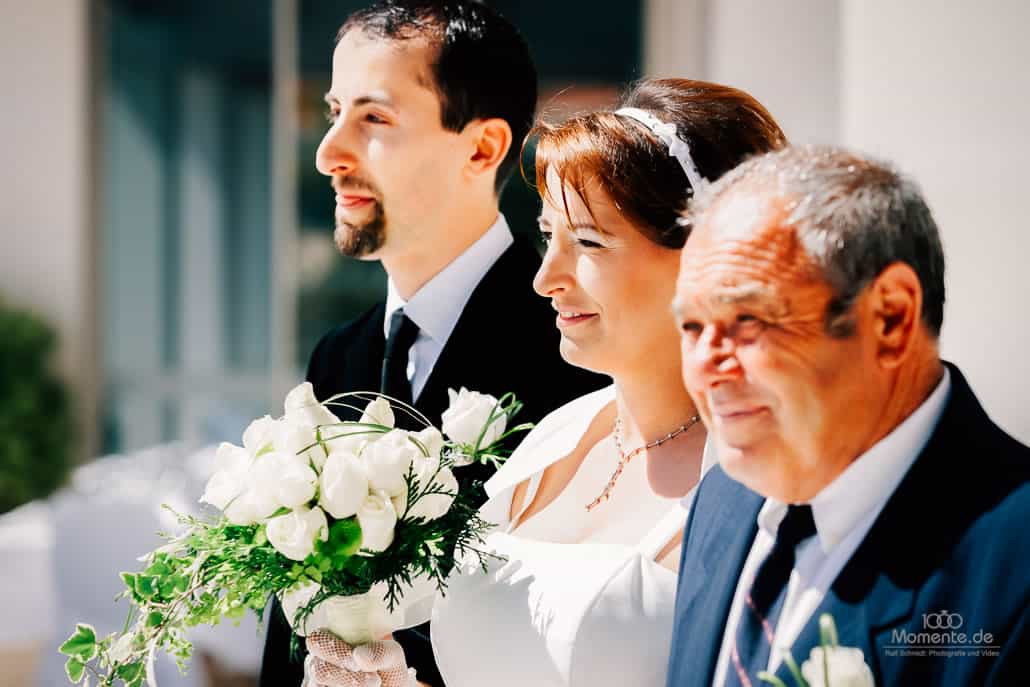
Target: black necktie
[(394, 381), (761, 608)]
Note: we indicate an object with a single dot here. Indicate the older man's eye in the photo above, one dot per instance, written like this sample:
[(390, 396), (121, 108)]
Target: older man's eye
[(587, 243), (692, 328), (749, 325), (545, 236)]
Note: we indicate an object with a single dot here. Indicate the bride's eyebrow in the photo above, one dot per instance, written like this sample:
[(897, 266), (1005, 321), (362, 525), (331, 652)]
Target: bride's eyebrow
[(586, 226)]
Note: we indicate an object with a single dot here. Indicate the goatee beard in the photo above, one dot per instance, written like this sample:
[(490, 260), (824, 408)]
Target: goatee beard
[(360, 240)]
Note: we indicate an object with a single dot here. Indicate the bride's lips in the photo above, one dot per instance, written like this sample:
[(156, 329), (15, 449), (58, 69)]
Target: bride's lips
[(571, 318)]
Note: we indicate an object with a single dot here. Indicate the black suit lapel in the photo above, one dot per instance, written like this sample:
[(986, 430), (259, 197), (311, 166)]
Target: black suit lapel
[(483, 332), (369, 347), (351, 363)]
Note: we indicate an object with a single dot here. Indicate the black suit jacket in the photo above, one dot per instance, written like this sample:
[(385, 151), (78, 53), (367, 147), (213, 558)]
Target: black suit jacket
[(505, 340), (950, 548)]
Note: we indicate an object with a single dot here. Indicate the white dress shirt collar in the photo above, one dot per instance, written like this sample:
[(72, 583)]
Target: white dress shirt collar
[(865, 486), (437, 306)]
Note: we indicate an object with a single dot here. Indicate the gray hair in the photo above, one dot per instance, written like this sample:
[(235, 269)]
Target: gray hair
[(854, 216)]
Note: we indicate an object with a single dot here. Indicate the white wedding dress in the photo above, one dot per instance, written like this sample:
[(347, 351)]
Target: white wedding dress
[(580, 600)]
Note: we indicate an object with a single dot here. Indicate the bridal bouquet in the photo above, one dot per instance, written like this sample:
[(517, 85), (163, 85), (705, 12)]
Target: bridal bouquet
[(353, 525)]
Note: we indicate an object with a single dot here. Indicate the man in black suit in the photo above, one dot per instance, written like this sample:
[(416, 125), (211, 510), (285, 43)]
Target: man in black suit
[(858, 475), (429, 105)]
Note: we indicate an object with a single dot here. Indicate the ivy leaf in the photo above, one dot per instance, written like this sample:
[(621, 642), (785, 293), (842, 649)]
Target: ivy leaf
[(81, 645), (235, 612), (155, 618), (158, 568), (74, 668), (181, 583), (130, 672), (145, 586)]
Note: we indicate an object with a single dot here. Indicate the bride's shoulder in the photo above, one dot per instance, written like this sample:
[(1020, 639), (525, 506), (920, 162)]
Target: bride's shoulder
[(553, 437)]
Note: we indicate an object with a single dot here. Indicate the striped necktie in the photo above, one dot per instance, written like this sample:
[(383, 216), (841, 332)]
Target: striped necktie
[(764, 601)]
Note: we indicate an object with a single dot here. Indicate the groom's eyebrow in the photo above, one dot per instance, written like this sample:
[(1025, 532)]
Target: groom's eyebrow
[(368, 99)]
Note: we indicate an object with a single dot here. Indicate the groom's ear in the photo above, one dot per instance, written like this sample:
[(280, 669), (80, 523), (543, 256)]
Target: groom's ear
[(894, 305), (490, 139)]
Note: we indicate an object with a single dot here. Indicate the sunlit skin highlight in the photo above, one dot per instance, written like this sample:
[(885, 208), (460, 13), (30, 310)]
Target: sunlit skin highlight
[(610, 286), (789, 405), (424, 193)]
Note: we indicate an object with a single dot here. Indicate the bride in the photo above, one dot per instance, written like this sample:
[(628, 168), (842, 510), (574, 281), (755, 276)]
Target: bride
[(590, 508)]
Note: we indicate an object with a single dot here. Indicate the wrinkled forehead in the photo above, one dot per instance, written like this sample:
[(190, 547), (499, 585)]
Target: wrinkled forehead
[(743, 244)]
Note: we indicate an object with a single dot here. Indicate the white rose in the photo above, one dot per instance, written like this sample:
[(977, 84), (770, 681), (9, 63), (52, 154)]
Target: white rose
[(344, 484), (295, 438), (230, 477), (847, 668), (298, 597), (432, 506), (468, 413), (294, 534), (431, 438), (302, 407), (378, 412), (239, 487), (377, 519), (254, 505), (260, 435), (387, 461), (292, 479)]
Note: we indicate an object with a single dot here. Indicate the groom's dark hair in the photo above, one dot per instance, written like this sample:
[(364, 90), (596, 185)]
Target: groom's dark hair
[(482, 68)]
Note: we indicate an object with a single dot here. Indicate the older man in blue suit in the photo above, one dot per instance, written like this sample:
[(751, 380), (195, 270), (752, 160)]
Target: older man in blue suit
[(858, 474)]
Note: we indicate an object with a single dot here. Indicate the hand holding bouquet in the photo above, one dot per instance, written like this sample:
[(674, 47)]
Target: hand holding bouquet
[(354, 525)]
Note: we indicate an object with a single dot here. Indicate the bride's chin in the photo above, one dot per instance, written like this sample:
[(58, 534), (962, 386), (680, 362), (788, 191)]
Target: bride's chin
[(579, 355)]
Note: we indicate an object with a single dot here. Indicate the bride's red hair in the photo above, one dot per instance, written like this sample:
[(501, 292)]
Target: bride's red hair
[(722, 125)]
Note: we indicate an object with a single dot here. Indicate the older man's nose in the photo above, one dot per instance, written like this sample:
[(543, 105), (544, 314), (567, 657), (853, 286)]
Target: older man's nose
[(715, 354)]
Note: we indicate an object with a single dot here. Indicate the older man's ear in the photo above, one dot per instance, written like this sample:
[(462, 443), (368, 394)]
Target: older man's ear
[(895, 303)]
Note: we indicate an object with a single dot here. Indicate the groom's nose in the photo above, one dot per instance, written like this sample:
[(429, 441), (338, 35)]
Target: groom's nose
[(335, 156)]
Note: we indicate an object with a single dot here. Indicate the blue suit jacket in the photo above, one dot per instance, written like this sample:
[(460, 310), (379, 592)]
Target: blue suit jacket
[(954, 537)]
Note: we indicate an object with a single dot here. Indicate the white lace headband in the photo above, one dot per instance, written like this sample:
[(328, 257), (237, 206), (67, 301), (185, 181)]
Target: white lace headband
[(666, 133)]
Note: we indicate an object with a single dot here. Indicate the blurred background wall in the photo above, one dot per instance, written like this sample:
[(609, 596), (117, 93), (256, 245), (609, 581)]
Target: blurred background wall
[(159, 205)]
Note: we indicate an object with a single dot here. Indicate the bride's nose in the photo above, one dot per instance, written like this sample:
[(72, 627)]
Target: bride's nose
[(555, 273)]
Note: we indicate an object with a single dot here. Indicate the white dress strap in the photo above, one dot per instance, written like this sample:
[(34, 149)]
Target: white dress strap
[(551, 440), (663, 532)]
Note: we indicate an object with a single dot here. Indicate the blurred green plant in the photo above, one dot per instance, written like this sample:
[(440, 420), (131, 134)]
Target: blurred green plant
[(35, 411)]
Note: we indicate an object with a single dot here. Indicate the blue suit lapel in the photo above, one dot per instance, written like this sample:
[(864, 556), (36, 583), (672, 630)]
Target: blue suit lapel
[(717, 540), (863, 603)]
